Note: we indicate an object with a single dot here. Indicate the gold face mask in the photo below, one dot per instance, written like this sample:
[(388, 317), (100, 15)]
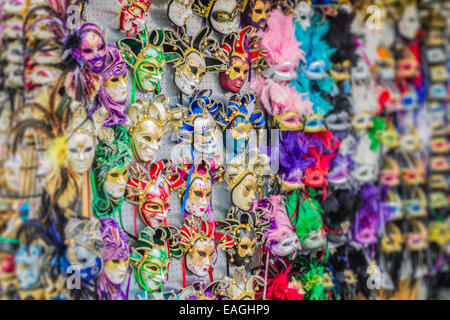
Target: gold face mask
[(116, 182), (289, 121), (244, 193), (201, 256), (146, 140), (393, 240), (117, 87)]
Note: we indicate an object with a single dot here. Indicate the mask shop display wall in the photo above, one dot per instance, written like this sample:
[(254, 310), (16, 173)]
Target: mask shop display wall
[(224, 150)]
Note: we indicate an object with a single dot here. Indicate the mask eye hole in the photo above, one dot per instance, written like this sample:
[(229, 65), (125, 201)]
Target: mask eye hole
[(194, 69)]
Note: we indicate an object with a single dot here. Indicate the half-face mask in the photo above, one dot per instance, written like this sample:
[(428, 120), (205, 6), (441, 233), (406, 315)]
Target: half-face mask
[(438, 200), (132, 13), (224, 15), (385, 63), (150, 191), (389, 98), (242, 55), (244, 230), (179, 11), (437, 181), (92, 49), (339, 175), (115, 258), (393, 240), (85, 246), (438, 73), (435, 38), (244, 174), (338, 119), (200, 129), (413, 170), (415, 205), (112, 158), (283, 49), (439, 145), (198, 185), (152, 255), (280, 236), (13, 28), (200, 290), (238, 123), (82, 137), (241, 287), (435, 55), (439, 232), (113, 94), (145, 56), (37, 75), (392, 207), (192, 58), (410, 142), (14, 7), (407, 64), (437, 91), (409, 22), (148, 122), (288, 107), (417, 238), (256, 13)]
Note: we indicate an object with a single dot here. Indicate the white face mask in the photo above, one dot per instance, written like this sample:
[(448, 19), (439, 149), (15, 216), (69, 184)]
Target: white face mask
[(205, 135), (244, 193), (116, 87), (16, 7), (41, 74), (147, 141), (409, 22), (116, 182), (81, 152), (224, 8), (289, 244), (201, 258), (303, 14), (116, 272), (186, 79), (199, 195), (179, 13)]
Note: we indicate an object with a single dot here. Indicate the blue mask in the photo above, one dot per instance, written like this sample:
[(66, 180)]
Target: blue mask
[(28, 266)]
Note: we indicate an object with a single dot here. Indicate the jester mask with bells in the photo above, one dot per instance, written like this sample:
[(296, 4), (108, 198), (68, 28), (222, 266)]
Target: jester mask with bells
[(179, 11), (115, 259), (85, 246), (150, 191), (239, 123), (241, 287), (244, 175), (201, 290), (224, 15), (198, 181), (145, 56), (111, 162), (148, 121), (242, 54), (131, 15), (245, 231), (152, 255), (198, 241), (192, 58), (200, 129)]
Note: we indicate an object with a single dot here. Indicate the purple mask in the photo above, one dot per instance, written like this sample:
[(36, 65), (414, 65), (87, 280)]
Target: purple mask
[(256, 13), (93, 47)]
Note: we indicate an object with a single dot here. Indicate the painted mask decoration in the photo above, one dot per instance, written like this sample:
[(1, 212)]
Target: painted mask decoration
[(192, 58), (37, 75), (200, 129), (112, 157), (280, 236), (245, 231), (179, 11), (82, 138), (92, 49), (288, 107), (417, 238), (150, 191), (303, 13), (223, 15), (13, 28), (407, 64), (392, 207), (27, 263), (197, 240), (145, 56), (200, 290), (148, 122), (284, 53), (239, 124), (256, 13), (113, 94), (197, 190), (85, 246), (415, 205), (409, 22), (244, 174), (241, 287), (152, 255), (393, 240), (115, 259), (242, 55), (385, 64), (412, 170), (439, 232), (132, 13)]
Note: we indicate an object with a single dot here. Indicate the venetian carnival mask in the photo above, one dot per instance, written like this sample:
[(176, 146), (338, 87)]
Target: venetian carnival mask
[(28, 265), (117, 251), (241, 287), (239, 123), (256, 13), (13, 28), (132, 13), (200, 290), (179, 11), (82, 139), (150, 190), (14, 7), (85, 246), (392, 206), (41, 75), (244, 174), (393, 240), (417, 238), (192, 58), (245, 230), (236, 46), (148, 122), (409, 22), (145, 55), (151, 257), (303, 13), (415, 205), (224, 15), (407, 64), (93, 47), (439, 232)]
